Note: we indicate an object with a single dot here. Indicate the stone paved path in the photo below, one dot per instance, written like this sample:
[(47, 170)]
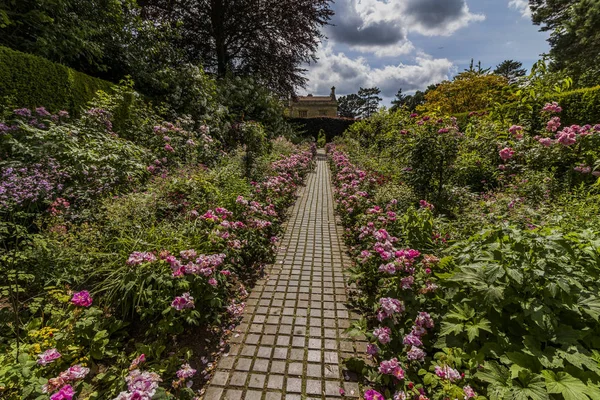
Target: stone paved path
[(293, 340)]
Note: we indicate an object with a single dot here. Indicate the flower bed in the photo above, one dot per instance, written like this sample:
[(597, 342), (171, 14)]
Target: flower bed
[(107, 280), (505, 309)]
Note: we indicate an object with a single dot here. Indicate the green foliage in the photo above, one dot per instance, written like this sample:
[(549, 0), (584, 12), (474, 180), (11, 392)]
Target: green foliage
[(34, 82), (321, 139)]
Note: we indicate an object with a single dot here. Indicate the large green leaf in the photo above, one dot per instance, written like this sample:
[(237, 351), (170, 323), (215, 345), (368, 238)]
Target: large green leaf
[(570, 387)]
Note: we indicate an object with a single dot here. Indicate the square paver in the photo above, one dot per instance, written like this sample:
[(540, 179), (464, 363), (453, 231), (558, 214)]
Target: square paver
[(294, 385), (275, 382)]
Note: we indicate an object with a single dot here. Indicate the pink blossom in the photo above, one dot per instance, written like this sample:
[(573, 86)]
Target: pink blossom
[(469, 392), (373, 395), (137, 258), (424, 320), (137, 361), (383, 334), (388, 268), (65, 393), (412, 340), (390, 306), (169, 148), (553, 124), (415, 354), (212, 282), (82, 299), (425, 204), (48, 356), (552, 107), (387, 367), (183, 301), (186, 371), (506, 153), (448, 373), (74, 373)]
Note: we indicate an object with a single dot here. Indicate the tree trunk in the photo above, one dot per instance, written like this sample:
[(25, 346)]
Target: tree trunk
[(217, 16)]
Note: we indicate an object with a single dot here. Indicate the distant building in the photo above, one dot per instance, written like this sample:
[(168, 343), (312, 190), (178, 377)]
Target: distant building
[(313, 106)]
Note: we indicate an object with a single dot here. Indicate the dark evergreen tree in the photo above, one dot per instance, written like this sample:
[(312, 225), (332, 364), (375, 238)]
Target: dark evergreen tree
[(371, 99), (350, 106), (510, 69)]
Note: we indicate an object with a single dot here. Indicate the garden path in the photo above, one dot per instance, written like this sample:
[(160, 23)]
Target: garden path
[(291, 342)]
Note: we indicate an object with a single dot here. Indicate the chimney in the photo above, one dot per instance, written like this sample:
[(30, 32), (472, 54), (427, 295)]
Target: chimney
[(332, 93)]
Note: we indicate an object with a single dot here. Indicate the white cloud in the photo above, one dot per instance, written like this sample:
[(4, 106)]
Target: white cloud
[(348, 75), (522, 6), (381, 27)]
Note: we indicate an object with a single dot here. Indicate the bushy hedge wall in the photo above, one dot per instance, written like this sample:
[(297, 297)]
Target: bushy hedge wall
[(580, 106), (332, 126), (31, 81)]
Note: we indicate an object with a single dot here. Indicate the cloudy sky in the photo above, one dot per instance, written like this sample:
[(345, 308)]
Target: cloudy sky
[(410, 44)]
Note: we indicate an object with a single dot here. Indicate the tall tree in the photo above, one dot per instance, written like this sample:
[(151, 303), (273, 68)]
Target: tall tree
[(468, 91), (399, 101), (510, 69), (350, 106), (269, 39), (575, 36), (371, 100)]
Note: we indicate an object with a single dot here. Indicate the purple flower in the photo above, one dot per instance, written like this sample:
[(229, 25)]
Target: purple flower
[(82, 299), (42, 112), (48, 356), (23, 112), (372, 349)]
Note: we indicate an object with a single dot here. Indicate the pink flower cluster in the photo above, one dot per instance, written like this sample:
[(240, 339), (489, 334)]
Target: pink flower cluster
[(182, 302), (391, 367), (138, 258), (373, 395), (140, 385), (82, 299), (72, 374), (389, 307), (445, 372), (552, 107), (507, 153), (383, 334), (48, 356)]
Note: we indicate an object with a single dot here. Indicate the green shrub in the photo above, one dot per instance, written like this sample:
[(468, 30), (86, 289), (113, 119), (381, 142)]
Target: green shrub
[(581, 106), (30, 81), (321, 139)]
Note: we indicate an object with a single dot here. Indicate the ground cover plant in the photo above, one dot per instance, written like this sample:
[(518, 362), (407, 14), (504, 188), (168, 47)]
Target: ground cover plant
[(124, 236), (476, 255)]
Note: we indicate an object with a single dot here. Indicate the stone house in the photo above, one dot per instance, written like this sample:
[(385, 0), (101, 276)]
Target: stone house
[(313, 106)]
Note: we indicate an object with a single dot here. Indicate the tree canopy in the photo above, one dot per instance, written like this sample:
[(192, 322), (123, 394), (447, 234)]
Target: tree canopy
[(268, 39), (511, 70), (468, 91), (574, 38)]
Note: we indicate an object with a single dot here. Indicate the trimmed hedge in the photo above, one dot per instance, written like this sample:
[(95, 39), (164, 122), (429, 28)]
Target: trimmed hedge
[(581, 106), (332, 126), (30, 81)]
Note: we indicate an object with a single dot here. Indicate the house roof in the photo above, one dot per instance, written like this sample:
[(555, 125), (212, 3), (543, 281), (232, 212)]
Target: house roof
[(311, 98)]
